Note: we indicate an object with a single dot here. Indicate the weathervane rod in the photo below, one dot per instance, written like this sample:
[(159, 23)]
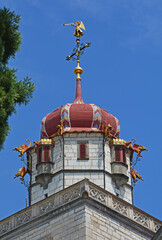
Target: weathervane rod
[(80, 47)]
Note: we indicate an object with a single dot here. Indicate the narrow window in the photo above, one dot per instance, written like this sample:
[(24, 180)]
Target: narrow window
[(124, 155), (82, 150), (82, 147), (120, 154), (117, 154), (39, 155), (46, 151)]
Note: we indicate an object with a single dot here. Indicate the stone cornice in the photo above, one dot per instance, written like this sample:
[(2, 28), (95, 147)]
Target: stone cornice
[(83, 191)]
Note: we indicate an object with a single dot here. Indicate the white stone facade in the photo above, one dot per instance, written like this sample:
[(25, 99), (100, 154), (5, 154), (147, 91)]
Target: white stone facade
[(103, 227), (68, 169)]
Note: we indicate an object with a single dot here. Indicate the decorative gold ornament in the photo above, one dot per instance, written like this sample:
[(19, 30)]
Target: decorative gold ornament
[(44, 141), (138, 149), (127, 144), (37, 143), (21, 173), (116, 141), (23, 148), (106, 128), (135, 147), (78, 25), (78, 71), (136, 175), (60, 128)]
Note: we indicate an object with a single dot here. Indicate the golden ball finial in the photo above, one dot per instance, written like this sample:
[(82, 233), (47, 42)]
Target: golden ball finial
[(78, 71)]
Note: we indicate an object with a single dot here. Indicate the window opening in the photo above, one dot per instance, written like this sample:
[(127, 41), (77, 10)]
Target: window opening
[(39, 156), (117, 154), (46, 153), (82, 150), (124, 155)]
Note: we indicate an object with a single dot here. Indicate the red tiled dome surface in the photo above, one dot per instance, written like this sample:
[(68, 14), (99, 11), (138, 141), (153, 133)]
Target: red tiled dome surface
[(77, 117)]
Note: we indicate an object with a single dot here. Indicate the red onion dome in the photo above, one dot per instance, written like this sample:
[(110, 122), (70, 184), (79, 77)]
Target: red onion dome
[(78, 116)]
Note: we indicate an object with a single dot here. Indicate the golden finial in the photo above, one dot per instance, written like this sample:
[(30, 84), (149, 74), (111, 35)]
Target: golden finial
[(78, 71)]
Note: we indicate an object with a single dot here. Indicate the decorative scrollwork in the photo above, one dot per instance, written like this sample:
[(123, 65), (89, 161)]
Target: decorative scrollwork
[(47, 206), (96, 194), (140, 218), (74, 193), (5, 228), (120, 207), (23, 218)]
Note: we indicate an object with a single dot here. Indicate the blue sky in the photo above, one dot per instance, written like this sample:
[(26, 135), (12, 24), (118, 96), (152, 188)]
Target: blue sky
[(122, 74)]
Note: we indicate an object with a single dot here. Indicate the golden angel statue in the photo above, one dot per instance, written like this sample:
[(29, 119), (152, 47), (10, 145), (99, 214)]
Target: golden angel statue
[(78, 25)]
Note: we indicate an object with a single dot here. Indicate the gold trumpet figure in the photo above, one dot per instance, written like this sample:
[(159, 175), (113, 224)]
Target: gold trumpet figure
[(78, 25)]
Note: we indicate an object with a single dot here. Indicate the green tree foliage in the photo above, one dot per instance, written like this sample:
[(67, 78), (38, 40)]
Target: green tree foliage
[(12, 91)]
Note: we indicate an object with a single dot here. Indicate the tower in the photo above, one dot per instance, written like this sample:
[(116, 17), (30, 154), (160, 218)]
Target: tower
[(82, 176), (78, 141)]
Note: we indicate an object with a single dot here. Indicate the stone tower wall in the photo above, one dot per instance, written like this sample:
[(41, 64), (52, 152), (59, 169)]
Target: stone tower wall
[(68, 169)]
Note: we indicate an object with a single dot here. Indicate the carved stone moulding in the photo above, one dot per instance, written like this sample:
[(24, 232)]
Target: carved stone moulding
[(97, 195), (45, 172), (120, 207), (63, 201)]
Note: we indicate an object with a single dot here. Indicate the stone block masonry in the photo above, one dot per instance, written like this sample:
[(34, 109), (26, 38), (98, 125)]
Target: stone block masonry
[(67, 168)]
